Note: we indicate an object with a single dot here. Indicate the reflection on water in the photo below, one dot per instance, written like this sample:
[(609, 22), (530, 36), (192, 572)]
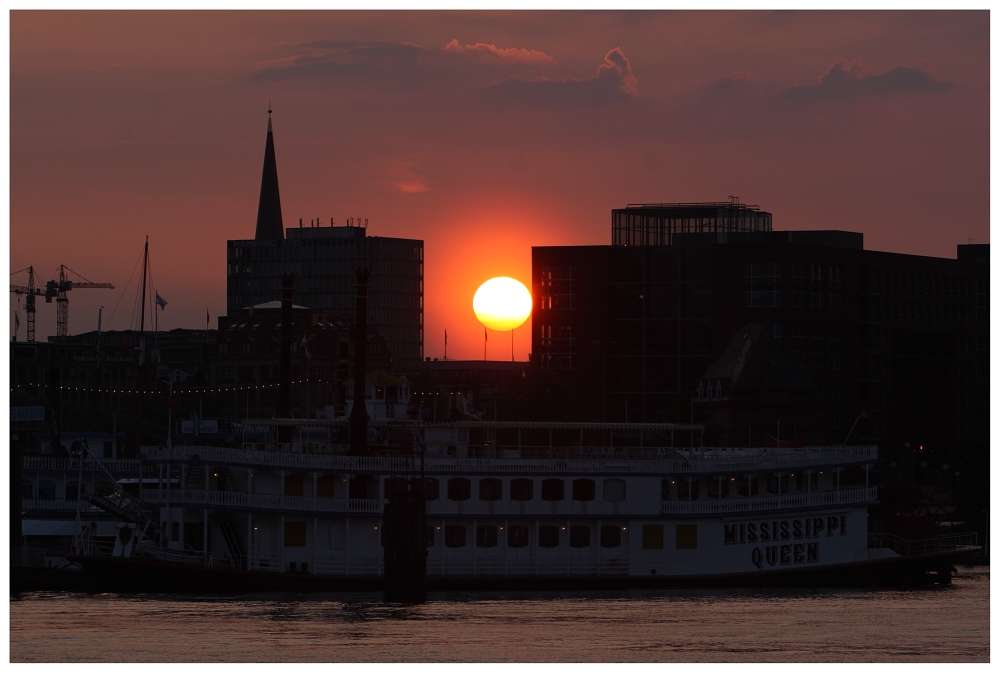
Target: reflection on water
[(932, 624)]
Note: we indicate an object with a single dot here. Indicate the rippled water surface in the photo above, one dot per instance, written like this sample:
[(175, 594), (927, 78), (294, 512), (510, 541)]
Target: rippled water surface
[(934, 624)]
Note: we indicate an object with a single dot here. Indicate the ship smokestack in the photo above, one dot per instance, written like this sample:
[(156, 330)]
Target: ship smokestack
[(359, 414)]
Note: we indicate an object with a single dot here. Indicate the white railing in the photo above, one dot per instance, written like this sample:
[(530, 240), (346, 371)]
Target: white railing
[(28, 504), (690, 461), (63, 464), (262, 501), (943, 543), (854, 496)]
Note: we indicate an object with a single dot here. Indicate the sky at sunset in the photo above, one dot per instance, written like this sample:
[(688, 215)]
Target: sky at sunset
[(481, 133)]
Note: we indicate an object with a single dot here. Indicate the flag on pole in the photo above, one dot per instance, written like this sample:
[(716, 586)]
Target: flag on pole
[(304, 345), (160, 301)]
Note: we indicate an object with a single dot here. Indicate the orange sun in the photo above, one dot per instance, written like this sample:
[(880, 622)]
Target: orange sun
[(502, 303)]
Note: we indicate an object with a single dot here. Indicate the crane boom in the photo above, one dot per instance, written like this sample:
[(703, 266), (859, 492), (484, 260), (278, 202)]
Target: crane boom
[(30, 291), (58, 289)]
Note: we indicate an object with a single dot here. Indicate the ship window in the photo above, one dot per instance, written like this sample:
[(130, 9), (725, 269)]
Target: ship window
[(432, 488), (777, 483), (72, 490), (175, 532), (652, 536), (748, 485), (718, 487), (611, 537), (46, 490), (459, 488), (522, 490), (27, 488), (614, 490), (490, 489), (454, 536), (325, 485), (486, 536), (553, 490), (548, 536), (363, 486), (294, 484), (687, 489), (687, 536), (665, 489), (295, 533), (807, 482), (579, 536), (517, 536), (428, 536), (583, 490)]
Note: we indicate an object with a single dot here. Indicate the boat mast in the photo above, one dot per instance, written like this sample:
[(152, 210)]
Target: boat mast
[(142, 350)]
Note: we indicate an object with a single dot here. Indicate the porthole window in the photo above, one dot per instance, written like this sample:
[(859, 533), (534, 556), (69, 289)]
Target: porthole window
[(548, 536), (454, 536), (432, 488), (614, 490), (584, 490), (553, 490), (459, 488), (490, 489), (486, 536), (611, 537), (579, 536), (517, 536), (522, 490)]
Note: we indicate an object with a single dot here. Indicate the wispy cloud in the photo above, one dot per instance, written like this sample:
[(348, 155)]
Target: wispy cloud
[(489, 53), (613, 81)]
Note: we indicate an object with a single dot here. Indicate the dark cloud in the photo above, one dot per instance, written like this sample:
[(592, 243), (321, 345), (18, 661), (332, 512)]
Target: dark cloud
[(614, 81), (846, 81)]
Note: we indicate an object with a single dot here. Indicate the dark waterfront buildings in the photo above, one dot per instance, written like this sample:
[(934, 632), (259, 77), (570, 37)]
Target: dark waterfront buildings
[(898, 344), (325, 257)]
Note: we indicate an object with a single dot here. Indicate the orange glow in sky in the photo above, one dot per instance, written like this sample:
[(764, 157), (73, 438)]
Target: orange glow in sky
[(502, 303)]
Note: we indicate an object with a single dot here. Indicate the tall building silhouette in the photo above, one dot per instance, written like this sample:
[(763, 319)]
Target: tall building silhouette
[(324, 257)]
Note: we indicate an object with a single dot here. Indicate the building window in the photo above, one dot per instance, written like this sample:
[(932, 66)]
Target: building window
[(548, 536), (486, 536), (517, 536), (454, 536), (432, 488), (818, 346), (579, 536), (799, 335), (652, 536), (459, 488), (611, 537), (761, 284), (553, 490), (614, 490), (584, 490), (556, 287), (687, 536), (490, 489), (836, 346), (817, 300), (295, 533), (522, 490), (558, 346)]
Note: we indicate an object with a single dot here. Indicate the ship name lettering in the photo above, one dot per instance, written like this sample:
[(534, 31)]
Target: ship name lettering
[(786, 554), (784, 529)]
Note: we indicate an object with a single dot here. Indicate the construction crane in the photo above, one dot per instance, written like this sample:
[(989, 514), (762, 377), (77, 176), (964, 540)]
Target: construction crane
[(58, 289), (29, 291)]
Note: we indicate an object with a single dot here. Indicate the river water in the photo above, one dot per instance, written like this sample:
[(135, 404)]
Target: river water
[(938, 624)]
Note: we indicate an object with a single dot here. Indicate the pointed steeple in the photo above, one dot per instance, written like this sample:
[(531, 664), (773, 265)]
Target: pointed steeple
[(269, 224)]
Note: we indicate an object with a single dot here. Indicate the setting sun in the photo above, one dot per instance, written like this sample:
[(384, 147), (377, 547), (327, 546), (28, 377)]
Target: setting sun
[(502, 303)]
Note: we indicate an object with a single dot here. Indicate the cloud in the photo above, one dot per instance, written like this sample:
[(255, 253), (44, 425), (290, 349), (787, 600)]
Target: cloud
[(489, 53), (614, 81), (343, 58), (845, 81), (402, 177)]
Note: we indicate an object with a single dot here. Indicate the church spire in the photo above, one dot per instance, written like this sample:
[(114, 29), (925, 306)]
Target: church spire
[(269, 224)]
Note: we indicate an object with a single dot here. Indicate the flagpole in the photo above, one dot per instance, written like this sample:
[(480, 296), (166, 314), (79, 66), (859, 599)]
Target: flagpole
[(485, 339)]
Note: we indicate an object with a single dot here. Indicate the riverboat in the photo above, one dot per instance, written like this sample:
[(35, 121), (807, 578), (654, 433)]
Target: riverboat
[(508, 506)]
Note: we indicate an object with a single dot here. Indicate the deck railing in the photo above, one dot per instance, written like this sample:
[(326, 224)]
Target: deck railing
[(854, 496), (259, 501), (64, 464), (692, 461)]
